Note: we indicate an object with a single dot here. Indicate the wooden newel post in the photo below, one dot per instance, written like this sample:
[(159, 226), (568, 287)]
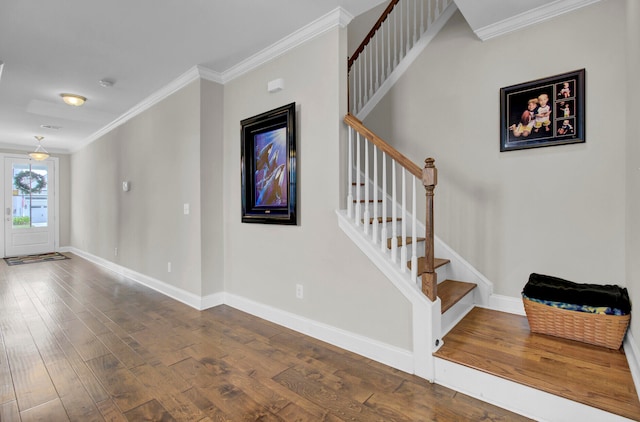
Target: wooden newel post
[(429, 277)]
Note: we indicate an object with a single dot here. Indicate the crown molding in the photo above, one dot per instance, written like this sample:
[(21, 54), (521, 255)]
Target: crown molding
[(337, 17), (209, 75), (530, 17), (177, 84)]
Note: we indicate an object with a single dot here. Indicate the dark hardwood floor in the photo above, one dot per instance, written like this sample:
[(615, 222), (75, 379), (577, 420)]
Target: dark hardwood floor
[(83, 344)]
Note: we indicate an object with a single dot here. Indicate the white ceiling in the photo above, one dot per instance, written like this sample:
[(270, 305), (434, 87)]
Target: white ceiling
[(54, 46)]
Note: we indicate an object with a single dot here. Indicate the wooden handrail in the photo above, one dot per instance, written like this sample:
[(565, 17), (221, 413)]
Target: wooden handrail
[(371, 33), (429, 177), (413, 168)]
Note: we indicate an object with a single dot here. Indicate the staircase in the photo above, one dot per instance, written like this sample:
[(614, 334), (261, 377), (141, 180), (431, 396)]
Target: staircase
[(382, 219), (385, 216), (383, 197)]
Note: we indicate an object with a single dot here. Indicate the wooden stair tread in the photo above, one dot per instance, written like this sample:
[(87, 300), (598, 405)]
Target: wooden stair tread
[(437, 263), (451, 291), (501, 344), (399, 240), (362, 201)]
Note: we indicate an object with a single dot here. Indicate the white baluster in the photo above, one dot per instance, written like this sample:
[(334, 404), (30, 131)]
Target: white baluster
[(358, 189), (408, 20), (429, 15), (375, 195), (396, 34), (360, 94), (414, 237), (377, 48), (415, 21), (394, 213), (370, 52), (365, 87), (350, 171), (383, 232), (403, 250), (401, 33), (389, 56), (367, 205), (352, 87), (383, 59), (422, 16)]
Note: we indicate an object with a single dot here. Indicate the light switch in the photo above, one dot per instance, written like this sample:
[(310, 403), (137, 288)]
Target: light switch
[(186, 209)]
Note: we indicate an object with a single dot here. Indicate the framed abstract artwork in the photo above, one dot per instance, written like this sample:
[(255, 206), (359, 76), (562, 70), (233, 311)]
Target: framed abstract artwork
[(269, 167), (544, 112)]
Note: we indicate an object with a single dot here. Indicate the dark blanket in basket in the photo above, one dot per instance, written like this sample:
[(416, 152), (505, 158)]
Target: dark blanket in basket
[(555, 289)]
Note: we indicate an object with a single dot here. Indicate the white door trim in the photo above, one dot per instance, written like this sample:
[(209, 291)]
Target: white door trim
[(56, 199)]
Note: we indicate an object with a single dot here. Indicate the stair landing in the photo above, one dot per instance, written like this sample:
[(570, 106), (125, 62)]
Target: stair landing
[(502, 345)]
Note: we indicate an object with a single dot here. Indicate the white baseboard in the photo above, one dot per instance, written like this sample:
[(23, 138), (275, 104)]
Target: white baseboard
[(395, 357), (380, 352), (512, 305), (173, 292)]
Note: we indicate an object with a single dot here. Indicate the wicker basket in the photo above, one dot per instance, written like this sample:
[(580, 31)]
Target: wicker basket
[(598, 329)]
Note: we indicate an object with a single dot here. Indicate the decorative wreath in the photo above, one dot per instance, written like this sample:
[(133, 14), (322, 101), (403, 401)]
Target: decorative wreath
[(28, 182)]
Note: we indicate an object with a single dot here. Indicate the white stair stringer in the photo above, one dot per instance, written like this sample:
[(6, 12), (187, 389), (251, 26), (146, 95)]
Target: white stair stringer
[(426, 318), (408, 59)]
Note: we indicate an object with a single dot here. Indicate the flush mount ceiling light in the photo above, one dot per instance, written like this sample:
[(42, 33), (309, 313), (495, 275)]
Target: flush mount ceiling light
[(73, 99), (40, 153)]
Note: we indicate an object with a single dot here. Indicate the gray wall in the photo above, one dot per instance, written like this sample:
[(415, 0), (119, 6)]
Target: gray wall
[(64, 162), (265, 262), (194, 139), (633, 159), (158, 151), (556, 210), (211, 189)]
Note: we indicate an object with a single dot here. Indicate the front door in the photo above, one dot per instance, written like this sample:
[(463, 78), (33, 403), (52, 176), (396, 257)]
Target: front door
[(29, 212)]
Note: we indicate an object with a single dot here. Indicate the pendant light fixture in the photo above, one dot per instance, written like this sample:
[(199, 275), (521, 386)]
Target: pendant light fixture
[(40, 153), (73, 99)]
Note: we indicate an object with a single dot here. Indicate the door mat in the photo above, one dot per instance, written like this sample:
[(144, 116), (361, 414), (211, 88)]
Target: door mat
[(31, 259)]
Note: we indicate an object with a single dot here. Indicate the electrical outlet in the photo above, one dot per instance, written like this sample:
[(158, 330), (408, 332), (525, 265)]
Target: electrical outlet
[(115, 252), (169, 266), (299, 291)]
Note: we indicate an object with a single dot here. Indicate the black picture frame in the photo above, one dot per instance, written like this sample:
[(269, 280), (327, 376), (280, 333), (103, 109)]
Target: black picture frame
[(269, 179), (524, 122)]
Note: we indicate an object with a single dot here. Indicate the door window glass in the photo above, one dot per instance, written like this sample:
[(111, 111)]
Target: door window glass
[(29, 199)]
